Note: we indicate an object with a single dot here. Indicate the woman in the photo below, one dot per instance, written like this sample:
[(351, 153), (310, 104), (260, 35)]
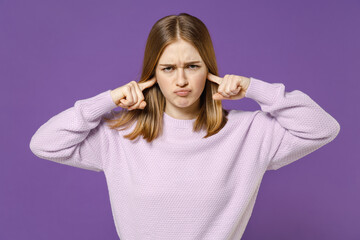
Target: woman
[(195, 171)]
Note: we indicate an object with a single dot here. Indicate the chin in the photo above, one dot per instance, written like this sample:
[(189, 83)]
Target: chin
[(185, 105)]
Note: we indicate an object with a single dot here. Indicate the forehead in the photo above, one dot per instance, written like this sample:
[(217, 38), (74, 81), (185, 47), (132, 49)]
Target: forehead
[(179, 51)]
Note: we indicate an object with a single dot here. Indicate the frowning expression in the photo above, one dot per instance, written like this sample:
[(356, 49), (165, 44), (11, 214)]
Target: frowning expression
[(181, 67)]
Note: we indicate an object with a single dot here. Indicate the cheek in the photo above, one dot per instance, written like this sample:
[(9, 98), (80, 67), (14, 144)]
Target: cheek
[(200, 81), (163, 84)]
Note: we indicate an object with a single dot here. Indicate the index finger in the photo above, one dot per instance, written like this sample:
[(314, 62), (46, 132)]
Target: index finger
[(147, 83), (214, 78)]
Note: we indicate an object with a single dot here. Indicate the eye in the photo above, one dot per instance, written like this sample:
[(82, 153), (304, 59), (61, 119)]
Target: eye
[(194, 66), (165, 69)]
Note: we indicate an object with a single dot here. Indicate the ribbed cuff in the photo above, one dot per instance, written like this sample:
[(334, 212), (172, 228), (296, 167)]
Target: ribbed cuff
[(261, 91), (98, 105)]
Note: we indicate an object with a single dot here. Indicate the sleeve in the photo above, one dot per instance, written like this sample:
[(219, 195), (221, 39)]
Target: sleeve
[(295, 124), (77, 136)]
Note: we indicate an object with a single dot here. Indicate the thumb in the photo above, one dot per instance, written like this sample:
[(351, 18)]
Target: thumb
[(217, 96), (142, 104)]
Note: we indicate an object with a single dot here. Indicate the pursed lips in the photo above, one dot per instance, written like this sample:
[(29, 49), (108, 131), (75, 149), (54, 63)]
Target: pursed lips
[(182, 90)]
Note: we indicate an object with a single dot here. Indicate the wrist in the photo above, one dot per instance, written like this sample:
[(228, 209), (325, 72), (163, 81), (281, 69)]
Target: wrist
[(113, 97)]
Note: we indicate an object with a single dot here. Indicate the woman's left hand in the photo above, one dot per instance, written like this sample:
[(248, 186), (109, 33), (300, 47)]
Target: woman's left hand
[(231, 87)]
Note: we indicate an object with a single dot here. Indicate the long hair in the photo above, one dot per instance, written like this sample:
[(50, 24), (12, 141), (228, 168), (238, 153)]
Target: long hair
[(165, 31)]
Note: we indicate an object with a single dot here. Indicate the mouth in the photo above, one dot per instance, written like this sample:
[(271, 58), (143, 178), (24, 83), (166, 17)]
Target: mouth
[(182, 92)]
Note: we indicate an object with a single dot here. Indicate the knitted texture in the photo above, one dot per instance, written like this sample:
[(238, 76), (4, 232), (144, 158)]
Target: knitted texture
[(182, 186)]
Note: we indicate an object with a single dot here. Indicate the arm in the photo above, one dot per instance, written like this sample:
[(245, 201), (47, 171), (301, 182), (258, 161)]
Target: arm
[(296, 125), (75, 136)]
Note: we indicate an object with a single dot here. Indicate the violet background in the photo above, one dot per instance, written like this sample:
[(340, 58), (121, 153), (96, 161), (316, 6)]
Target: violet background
[(53, 53)]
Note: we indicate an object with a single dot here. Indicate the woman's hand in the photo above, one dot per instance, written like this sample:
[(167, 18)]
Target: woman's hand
[(130, 95), (231, 87)]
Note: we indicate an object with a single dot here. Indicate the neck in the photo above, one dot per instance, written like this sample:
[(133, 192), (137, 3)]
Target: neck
[(188, 113)]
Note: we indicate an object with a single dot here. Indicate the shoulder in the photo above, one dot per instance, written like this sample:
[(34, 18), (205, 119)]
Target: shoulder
[(255, 118), (113, 114), (236, 115)]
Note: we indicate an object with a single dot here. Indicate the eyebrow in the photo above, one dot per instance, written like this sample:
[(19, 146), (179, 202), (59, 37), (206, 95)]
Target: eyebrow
[(175, 64)]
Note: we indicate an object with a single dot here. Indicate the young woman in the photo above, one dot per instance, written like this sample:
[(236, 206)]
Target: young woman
[(181, 166)]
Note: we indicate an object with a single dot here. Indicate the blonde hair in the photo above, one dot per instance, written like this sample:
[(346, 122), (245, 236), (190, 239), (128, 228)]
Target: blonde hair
[(212, 115)]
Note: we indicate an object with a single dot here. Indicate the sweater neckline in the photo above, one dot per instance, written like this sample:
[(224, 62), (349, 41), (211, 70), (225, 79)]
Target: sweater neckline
[(178, 123)]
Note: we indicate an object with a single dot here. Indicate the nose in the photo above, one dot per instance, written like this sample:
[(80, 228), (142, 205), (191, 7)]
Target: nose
[(181, 78)]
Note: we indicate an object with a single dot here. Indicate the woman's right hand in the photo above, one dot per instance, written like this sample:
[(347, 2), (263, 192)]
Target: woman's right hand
[(130, 95)]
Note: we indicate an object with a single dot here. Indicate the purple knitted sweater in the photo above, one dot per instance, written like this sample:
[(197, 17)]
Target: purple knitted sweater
[(182, 186)]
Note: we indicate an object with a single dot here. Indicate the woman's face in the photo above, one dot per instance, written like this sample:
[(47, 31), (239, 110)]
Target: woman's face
[(180, 67)]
